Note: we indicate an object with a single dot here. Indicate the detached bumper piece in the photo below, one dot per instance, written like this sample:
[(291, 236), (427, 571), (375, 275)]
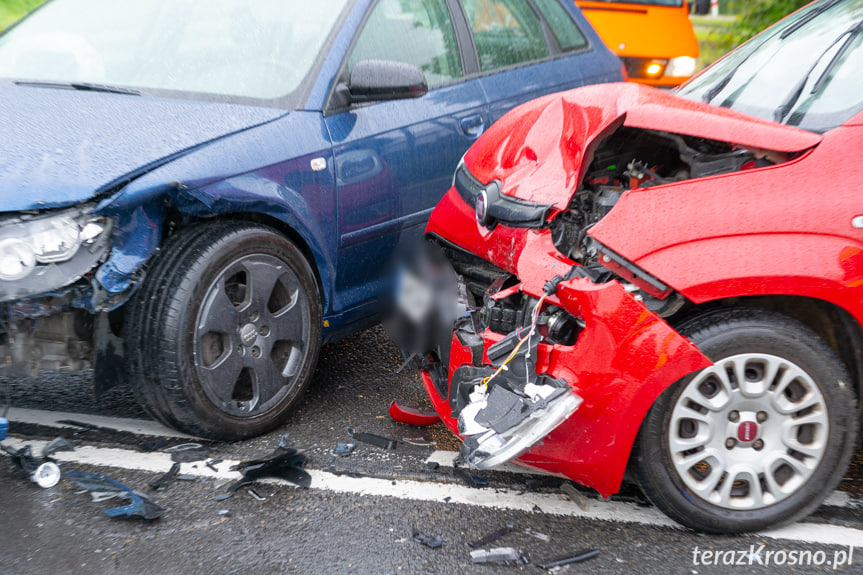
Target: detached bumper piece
[(506, 411)]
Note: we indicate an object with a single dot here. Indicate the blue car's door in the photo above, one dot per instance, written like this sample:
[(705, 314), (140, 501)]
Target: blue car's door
[(394, 160), (529, 49)]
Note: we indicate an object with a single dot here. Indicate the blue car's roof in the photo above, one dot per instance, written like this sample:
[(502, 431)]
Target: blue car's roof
[(59, 147)]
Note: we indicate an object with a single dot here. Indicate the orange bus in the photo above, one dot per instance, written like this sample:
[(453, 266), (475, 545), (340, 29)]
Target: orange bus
[(654, 38)]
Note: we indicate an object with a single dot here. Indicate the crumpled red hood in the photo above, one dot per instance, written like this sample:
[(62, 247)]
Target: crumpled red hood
[(540, 149)]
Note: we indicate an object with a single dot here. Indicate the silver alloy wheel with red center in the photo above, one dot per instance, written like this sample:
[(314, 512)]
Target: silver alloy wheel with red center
[(748, 432)]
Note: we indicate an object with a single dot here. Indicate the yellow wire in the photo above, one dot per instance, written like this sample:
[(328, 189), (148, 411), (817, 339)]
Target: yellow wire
[(486, 380)]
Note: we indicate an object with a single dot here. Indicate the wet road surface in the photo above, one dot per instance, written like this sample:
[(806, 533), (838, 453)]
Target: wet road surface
[(349, 521)]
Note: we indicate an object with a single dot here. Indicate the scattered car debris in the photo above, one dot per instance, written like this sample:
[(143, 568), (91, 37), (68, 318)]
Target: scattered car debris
[(256, 495), (85, 427), (283, 440), (187, 477), (55, 445), (344, 449), (139, 505), (44, 473), (224, 512), (162, 482), (474, 481), (433, 541), (372, 439), (213, 462), (500, 556), (412, 416), (494, 536), (223, 496), (331, 468), (151, 446), (573, 493), (432, 465), (577, 557), (418, 441), (537, 534), (284, 463), (187, 452), (183, 447)]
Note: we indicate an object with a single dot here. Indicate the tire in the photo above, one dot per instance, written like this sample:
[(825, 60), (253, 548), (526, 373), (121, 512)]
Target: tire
[(726, 458), (223, 336)]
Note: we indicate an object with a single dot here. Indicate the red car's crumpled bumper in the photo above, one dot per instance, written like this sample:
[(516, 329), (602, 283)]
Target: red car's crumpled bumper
[(624, 357)]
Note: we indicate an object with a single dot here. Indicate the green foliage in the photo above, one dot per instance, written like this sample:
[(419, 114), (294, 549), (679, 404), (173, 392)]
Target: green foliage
[(716, 36), (756, 15), (12, 10)]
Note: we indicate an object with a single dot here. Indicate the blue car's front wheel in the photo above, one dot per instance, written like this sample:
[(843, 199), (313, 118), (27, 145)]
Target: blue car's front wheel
[(224, 335)]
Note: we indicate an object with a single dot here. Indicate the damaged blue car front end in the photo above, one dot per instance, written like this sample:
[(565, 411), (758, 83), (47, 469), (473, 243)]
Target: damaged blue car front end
[(86, 192)]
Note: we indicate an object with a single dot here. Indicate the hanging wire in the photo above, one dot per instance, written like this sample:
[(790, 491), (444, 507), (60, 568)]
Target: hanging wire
[(521, 340)]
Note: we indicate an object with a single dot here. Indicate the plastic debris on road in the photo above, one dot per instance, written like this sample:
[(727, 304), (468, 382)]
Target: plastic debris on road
[(433, 541), (500, 556), (43, 472), (55, 445), (372, 439), (577, 557), (412, 416), (162, 482), (284, 463), (139, 506)]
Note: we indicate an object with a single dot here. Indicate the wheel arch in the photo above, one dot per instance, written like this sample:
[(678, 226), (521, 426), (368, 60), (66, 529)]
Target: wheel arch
[(831, 322), (290, 227)]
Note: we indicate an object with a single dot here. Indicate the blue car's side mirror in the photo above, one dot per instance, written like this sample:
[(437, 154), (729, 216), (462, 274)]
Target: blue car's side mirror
[(378, 80)]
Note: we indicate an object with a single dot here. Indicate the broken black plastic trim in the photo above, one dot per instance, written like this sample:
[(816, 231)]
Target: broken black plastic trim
[(162, 482), (433, 541), (284, 463), (372, 439), (577, 557)]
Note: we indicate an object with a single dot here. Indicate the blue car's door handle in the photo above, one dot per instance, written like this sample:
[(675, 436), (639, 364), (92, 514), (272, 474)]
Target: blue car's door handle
[(472, 125)]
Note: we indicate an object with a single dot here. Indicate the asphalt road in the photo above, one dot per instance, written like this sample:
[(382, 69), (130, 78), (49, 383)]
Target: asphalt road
[(358, 515)]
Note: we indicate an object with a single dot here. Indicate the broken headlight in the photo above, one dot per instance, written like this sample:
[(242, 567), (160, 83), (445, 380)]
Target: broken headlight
[(25, 245)]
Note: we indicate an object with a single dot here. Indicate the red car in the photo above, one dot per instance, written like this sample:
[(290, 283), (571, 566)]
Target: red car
[(667, 282)]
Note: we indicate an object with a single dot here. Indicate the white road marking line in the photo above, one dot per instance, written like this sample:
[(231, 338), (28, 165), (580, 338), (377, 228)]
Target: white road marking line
[(447, 459), (52, 419), (153, 428), (440, 493)]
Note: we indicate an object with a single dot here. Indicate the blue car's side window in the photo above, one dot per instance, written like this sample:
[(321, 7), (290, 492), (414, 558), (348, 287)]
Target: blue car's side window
[(568, 36), (417, 32), (506, 33)]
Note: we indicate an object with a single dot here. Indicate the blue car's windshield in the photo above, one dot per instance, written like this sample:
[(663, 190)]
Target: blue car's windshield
[(259, 49), (805, 71)]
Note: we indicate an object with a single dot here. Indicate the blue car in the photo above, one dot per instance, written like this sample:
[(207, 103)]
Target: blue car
[(195, 194)]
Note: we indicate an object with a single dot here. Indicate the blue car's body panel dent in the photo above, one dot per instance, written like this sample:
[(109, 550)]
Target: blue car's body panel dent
[(136, 236), (248, 174), (60, 147)]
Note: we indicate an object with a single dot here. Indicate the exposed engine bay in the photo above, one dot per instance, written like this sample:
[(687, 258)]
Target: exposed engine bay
[(634, 158), (502, 404)]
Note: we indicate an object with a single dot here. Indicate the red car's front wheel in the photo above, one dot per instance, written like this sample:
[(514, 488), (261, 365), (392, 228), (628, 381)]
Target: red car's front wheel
[(760, 438)]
